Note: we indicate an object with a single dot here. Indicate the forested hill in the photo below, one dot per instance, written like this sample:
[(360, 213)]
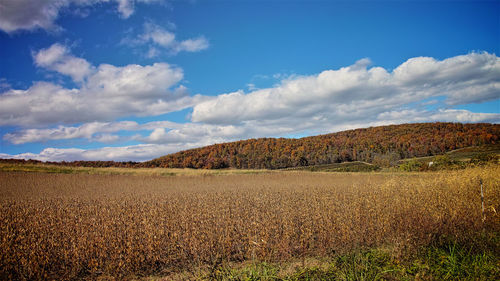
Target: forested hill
[(382, 145)]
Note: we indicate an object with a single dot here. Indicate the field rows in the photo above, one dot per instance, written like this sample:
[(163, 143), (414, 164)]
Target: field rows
[(85, 226)]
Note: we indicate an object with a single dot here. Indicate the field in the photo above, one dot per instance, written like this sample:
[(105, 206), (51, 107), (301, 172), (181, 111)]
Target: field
[(464, 154), (283, 225), (60, 169), (355, 166)]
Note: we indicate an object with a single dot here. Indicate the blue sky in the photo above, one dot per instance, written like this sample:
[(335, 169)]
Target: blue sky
[(137, 79)]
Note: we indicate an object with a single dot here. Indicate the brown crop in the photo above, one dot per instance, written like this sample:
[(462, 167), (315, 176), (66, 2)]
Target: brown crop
[(55, 226)]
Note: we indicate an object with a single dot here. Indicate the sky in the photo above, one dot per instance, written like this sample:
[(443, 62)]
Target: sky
[(132, 80)]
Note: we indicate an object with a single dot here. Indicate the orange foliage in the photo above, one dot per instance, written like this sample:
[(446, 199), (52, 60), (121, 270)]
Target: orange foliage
[(376, 144)]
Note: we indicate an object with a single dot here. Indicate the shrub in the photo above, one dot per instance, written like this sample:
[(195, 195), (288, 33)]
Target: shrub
[(412, 165)]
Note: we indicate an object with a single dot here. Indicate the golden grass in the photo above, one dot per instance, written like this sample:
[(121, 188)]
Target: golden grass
[(50, 168), (66, 226)]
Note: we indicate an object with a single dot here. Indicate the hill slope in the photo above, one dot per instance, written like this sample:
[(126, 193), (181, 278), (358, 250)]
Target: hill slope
[(382, 145)]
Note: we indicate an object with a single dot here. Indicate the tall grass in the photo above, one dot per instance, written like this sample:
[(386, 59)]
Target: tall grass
[(66, 226), (60, 169)]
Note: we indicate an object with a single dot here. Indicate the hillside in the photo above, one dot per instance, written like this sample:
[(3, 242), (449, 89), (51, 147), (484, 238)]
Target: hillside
[(384, 145)]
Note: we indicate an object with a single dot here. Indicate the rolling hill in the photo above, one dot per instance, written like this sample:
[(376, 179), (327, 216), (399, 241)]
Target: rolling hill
[(383, 146)]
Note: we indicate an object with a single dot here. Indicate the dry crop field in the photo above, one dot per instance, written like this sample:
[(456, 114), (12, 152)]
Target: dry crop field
[(80, 226)]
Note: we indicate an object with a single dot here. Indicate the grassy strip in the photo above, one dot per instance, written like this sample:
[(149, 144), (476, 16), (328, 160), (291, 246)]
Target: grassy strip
[(462, 154), (47, 168), (355, 166), (449, 261)]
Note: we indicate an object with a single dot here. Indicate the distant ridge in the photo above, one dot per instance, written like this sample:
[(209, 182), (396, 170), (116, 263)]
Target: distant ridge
[(383, 145)]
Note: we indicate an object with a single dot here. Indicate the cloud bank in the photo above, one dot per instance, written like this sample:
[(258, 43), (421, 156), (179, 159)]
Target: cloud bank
[(42, 14), (125, 153), (421, 89), (169, 137), (107, 92), (358, 93)]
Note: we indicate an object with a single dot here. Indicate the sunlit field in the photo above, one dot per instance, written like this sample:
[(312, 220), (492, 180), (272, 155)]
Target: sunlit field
[(89, 226)]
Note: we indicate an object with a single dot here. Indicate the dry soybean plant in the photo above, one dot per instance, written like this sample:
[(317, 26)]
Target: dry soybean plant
[(86, 226)]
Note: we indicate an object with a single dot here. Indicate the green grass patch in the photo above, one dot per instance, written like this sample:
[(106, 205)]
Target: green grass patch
[(167, 172), (355, 166), (454, 160), (39, 168), (467, 153), (464, 154), (449, 261)]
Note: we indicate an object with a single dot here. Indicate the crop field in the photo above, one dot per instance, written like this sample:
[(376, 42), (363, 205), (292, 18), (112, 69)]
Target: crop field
[(202, 226), (464, 154), (355, 166)]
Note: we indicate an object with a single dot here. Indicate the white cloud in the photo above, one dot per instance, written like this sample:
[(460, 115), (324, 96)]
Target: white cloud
[(107, 92), (125, 7), (196, 133), (191, 135), (58, 58), (419, 116), (34, 14), (157, 37), (252, 87), (150, 81), (334, 100), (359, 93), (152, 52), (4, 85), (87, 130), (162, 132), (193, 45), (49, 154), (141, 152), (106, 138), (29, 14)]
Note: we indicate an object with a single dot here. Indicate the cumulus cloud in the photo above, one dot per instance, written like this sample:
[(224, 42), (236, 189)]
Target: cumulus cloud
[(35, 14), (169, 132), (141, 152), (107, 92), (418, 116), (58, 58), (94, 131), (162, 132), (29, 14), (87, 131), (359, 92), (198, 133), (169, 137), (166, 137), (334, 100), (158, 38)]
